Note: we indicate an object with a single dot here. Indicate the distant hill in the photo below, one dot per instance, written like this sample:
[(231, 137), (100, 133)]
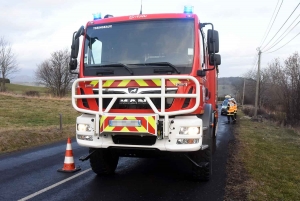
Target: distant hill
[(230, 80), (23, 79), (230, 86), (27, 84), (225, 89)]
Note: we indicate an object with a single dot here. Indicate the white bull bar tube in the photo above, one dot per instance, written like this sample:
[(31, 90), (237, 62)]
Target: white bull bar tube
[(114, 97)]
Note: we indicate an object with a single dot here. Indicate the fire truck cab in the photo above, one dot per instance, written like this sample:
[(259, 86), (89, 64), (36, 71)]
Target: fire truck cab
[(146, 83)]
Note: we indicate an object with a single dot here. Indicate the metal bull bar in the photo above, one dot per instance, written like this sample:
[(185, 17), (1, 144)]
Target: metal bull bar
[(147, 97)]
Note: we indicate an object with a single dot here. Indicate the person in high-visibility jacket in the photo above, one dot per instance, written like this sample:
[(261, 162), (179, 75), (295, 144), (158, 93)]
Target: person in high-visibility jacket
[(235, 109), (231, 108)]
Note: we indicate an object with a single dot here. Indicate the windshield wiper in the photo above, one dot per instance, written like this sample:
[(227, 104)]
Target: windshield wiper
[(117, 65), (105, 72), (159, 64)]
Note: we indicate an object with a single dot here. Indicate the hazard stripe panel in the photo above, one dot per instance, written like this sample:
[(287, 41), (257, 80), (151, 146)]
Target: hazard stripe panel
[(136, 83), (126, 124)]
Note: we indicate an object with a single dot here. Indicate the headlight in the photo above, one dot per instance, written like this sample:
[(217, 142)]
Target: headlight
[(189, 130), (83, 127), (193, 130)]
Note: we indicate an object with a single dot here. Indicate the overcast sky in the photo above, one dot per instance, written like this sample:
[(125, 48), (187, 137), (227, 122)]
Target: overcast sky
[(36, 28)]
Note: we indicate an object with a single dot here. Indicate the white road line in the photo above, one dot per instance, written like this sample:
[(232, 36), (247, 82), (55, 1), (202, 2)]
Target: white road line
[(53, 186)]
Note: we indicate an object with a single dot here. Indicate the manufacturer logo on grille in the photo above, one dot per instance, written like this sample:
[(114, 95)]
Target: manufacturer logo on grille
[(132, 101), (133, 90)]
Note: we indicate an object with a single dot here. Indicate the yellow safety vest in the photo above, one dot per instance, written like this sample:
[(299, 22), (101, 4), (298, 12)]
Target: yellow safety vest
[(230, 109), (235, 108)]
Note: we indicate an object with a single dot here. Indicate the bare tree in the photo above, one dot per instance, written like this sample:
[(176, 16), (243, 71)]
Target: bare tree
[(264, 86), (265, 94), (54, 73), (277, 83), (286, 85), (237, 84), (292, 65), (8, 62), (280, 89), (250, 84)]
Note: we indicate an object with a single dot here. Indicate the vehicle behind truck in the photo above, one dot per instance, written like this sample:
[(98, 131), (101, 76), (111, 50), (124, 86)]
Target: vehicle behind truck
[(146, 84)]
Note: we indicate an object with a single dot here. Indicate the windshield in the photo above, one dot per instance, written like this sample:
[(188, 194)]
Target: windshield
[(139, 42)]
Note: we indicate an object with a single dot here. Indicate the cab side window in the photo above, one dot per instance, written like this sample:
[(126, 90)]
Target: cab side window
[(201, 52)]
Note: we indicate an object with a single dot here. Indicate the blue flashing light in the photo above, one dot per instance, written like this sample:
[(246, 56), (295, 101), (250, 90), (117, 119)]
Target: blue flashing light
[(97, 16), (188, 9)]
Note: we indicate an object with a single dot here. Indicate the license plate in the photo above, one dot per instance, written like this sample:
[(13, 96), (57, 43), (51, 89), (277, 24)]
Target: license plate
[(132, 123)]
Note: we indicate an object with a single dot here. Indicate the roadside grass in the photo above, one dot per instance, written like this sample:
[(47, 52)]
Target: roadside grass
[(27, 121), (271, 158), (21, 89), (17, 139)]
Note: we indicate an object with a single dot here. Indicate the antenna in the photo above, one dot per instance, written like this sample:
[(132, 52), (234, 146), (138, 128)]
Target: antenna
[(141, 11)]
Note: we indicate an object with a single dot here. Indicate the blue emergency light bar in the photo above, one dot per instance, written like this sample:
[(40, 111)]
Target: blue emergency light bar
[(97, 16), (188, 9)]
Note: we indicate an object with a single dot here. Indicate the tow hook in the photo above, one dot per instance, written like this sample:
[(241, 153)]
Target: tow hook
[(200, 165), (84, 158)]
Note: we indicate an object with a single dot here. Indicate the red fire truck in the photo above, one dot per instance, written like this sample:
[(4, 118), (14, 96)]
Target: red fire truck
[(146, 84)]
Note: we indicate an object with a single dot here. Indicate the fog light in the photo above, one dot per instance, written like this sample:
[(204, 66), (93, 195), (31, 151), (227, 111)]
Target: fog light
[(187, 141), (83, 127), (85, 137)]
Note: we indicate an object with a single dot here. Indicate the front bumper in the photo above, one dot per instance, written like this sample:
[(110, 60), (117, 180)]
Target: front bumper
[(167, 143)]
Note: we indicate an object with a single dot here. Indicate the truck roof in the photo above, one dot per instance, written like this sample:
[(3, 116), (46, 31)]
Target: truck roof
[(141, 17)]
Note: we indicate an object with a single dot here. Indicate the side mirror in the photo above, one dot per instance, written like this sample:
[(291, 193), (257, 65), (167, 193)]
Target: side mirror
[(214, 58), (73, 64), (212, 41), (75, 42), (75, 48), (79, 33)]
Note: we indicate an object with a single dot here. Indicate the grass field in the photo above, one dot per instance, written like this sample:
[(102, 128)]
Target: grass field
[(270, 156), (26, 122), (21, 89)]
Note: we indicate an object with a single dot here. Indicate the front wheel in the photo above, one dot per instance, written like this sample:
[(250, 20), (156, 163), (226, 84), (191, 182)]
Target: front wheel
[(203, 158), (214, 136), (103, 161)]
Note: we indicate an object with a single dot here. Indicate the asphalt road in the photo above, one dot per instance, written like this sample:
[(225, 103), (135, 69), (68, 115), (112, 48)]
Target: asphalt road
[(32, 175)]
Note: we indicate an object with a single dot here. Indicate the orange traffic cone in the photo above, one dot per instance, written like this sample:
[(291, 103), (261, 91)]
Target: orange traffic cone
[(69, 165)]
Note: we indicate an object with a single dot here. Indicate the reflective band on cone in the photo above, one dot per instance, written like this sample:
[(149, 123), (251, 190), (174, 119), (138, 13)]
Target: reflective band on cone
[(69, 165)]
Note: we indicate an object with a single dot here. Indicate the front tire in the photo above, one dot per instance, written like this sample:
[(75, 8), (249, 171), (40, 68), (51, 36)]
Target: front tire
[(201, 157), (204, 158), (214, 136), (103, 161)]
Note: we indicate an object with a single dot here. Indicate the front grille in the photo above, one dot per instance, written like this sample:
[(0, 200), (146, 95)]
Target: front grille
[(138, 103), (84, 100), (134, 140), (106, 101), (187, 100)]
